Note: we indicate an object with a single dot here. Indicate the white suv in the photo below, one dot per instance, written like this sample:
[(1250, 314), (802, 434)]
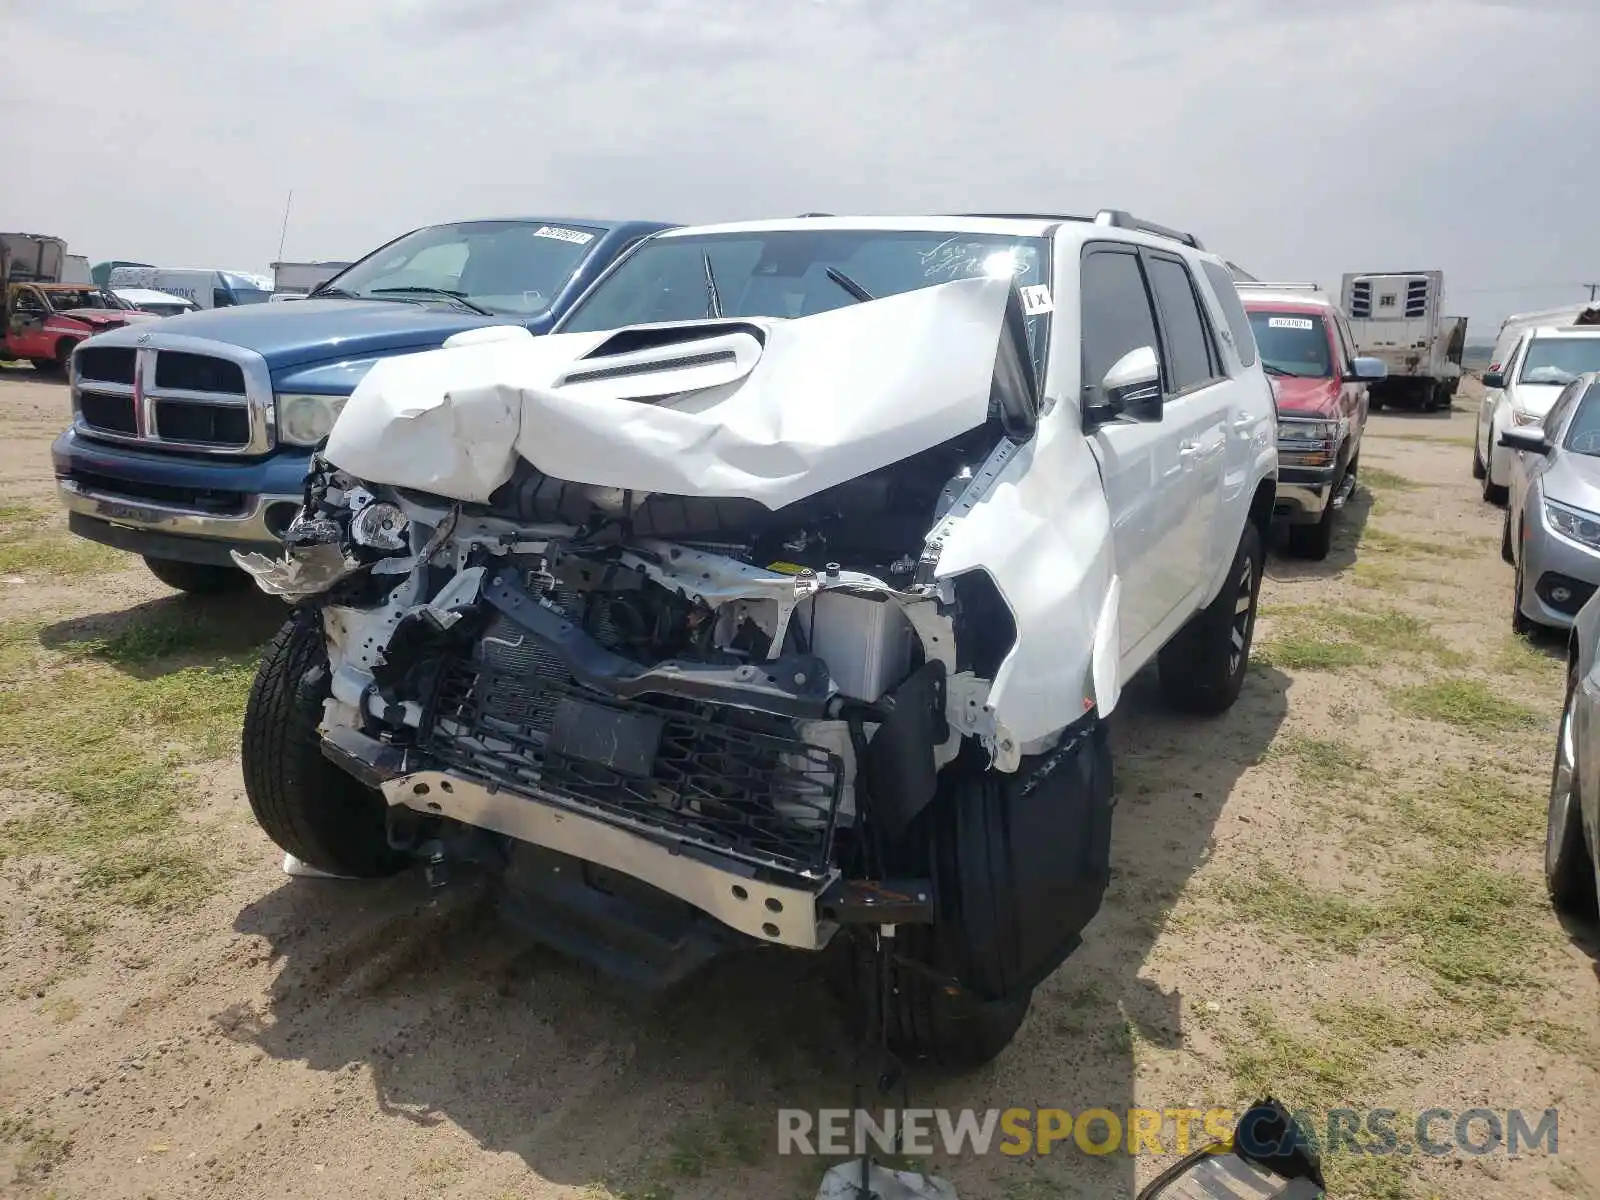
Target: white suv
[(1521, 390), (781, 596)]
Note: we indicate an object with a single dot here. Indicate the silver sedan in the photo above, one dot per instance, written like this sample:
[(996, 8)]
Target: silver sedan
[(1574, 815), (1552, 526)]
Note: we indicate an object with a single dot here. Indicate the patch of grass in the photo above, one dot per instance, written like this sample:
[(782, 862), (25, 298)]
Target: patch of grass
[(110, 751), (1305, 653), (1466, 703), (702, 1143), (1422, 437), (1520, 656), (60, 1009), (1377, 477), (40, 1149), (1390, 631), (1471, 807), (61, 556), (1381, 541), (1377, 577), (1322, 760)]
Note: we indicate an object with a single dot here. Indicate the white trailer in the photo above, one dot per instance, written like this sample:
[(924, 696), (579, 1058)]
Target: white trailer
[(1398, 316), (298, 278)]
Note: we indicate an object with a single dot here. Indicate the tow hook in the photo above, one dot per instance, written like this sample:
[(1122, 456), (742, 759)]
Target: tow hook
[(1347, 487)]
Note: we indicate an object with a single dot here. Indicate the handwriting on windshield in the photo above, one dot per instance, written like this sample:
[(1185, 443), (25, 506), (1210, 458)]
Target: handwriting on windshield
[(956, 259)]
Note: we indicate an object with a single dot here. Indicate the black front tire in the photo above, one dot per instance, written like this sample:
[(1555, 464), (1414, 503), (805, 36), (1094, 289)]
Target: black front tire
[(305, 804), (198, 579), (1202, 669), (1521, 625), (1479, 469), (1313, 542), (1505, 539), (1568, 867)]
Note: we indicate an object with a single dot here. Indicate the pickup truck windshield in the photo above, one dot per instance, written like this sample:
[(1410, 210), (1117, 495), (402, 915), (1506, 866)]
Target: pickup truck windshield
[(513, 267), (67, 299), (1293, 344), (800, 272), (1559, 360)]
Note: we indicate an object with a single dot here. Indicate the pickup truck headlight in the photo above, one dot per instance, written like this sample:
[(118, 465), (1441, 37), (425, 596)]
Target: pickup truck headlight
[(1573, 523), (1310, 443), (305, 420)]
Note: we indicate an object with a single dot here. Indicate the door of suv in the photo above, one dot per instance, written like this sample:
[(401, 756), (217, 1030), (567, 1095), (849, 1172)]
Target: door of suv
[(1197, 408), (1148, 468)]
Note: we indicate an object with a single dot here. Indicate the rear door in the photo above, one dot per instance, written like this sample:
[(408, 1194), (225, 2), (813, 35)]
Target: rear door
[(1196, 415)]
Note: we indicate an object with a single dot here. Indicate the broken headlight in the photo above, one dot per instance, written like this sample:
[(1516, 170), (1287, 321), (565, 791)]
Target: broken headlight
[(304, 420), (379, 526)]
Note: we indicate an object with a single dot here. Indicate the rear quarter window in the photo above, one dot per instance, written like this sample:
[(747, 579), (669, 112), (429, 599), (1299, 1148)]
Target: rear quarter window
[(1244, 340)]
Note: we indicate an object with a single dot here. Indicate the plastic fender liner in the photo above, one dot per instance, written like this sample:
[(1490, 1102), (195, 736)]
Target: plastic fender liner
[(899, 768), (1019, 863)]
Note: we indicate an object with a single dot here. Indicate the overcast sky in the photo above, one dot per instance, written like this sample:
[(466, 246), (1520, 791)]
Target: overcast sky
[(1296, 137)]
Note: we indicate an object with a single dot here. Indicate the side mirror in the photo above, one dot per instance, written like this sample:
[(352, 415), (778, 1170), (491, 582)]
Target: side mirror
[(1494, 379), (1132, 388), (1268, 1157), (1367, 370), (1527, 437)]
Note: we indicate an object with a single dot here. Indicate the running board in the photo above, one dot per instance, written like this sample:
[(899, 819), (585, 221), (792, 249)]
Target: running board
[(1347, 487)]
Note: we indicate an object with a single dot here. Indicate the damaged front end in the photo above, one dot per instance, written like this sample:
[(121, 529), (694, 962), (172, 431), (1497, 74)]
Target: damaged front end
[(732, 723)]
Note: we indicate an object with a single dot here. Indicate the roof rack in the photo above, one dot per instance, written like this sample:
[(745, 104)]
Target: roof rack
[(803, 216), (1277, 286), (1118, 219), (1024, 216)]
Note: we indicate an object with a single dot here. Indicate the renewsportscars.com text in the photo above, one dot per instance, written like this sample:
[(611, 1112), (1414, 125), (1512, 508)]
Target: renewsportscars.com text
[(1434, 1132)]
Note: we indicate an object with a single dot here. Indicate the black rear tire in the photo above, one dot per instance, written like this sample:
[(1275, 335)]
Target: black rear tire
[(198, 579), (1568, 868), (1202, 669), (304, 803)]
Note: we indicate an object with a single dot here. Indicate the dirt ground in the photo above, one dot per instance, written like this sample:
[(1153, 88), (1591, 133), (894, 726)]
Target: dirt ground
[(1333, 892)]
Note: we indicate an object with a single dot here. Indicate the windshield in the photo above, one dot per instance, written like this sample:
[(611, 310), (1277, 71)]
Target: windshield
[(1583, 432), (1559, 360), (66, 299), (244, 295), (796, 273), (516, 267), (1293, 343)]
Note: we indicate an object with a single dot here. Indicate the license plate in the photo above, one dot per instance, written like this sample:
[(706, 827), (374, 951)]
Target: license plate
[(113, 511)]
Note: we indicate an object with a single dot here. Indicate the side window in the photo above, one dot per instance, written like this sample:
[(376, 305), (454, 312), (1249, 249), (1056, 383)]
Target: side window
[(1117, 316), (1188, 339), (1558, 410), (220, 298), (1244, 339), (1346, 343), (28, 302)]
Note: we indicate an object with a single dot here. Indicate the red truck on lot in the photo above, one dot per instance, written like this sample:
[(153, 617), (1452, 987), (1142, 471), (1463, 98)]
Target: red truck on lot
[(1321, 389), (42, 319)]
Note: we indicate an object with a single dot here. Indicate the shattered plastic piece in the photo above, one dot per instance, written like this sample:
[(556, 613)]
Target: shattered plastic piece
[(380, 527), (303, 571), (843, 1182), (301, 870)]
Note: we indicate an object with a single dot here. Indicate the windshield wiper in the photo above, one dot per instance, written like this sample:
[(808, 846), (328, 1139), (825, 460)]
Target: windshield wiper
[(713, 301), (1272, 370), (335, 293), (856, 291), (457, 297)]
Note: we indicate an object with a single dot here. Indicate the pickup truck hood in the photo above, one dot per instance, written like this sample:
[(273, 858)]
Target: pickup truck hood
[(106, 318), (766, 409), (309, 331), (1306, 397)]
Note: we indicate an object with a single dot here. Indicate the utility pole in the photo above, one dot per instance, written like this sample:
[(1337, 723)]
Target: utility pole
[(283, 236)]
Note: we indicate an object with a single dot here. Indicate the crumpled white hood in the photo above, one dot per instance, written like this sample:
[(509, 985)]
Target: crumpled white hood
[(826, 399)]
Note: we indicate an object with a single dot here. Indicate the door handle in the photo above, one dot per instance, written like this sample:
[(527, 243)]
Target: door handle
[(1188, 449), (1243, 422)]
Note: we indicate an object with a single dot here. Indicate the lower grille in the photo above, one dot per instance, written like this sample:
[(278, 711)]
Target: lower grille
[(732, 781), (206, 424), (208, 500)]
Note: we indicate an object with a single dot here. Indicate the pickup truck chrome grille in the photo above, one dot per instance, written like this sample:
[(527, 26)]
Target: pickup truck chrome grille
[(186, 393)]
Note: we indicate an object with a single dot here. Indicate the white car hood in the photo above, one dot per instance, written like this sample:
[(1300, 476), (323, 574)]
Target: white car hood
[(1535, 398), (767, 409)]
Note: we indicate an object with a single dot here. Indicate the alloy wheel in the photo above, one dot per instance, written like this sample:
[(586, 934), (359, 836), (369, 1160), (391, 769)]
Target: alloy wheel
[(1243, 615)]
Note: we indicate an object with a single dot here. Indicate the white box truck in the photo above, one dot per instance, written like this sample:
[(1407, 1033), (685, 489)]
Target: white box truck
[(1397, 316)]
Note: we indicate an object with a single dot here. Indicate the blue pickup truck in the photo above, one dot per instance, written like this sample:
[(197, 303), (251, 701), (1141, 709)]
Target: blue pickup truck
[(191, 436)]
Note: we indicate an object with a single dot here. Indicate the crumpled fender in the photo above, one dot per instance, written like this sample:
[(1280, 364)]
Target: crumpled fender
[(1043, 534)]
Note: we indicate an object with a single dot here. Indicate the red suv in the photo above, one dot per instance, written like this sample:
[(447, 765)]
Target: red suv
[(1321, 389)]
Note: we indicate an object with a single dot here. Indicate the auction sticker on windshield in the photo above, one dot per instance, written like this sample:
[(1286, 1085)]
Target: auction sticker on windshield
[(1290, 323), (576, 236), (1036, 299)]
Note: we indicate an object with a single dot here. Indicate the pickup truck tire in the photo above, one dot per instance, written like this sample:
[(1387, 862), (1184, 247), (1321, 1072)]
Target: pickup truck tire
[(1568, 868), (1313, 542), (303, 802), (1202, 669), (45, 366), (198, 579)]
